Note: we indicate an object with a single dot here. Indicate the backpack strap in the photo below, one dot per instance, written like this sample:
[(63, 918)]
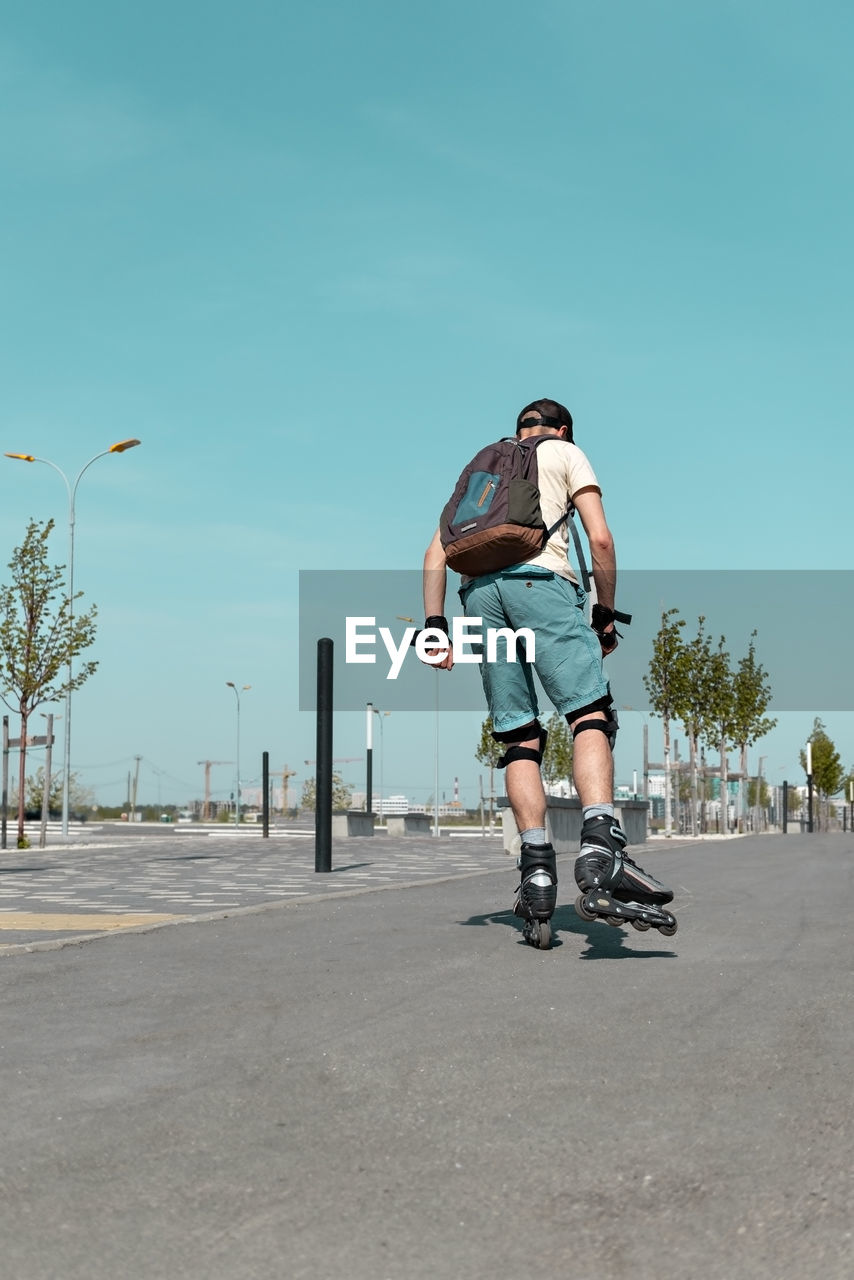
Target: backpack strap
[(569, 517)]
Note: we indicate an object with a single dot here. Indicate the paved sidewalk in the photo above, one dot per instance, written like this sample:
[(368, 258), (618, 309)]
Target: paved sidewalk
[(124, 880), (121, 880)]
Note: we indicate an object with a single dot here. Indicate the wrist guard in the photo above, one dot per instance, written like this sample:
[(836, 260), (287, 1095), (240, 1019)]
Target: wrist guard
[(601, 618), (434, 623)]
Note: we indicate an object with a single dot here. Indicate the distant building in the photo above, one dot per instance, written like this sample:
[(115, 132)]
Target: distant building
[(392, 804)]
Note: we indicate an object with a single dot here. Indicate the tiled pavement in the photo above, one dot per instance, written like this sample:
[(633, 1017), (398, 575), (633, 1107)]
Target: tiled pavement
[(122, 880)]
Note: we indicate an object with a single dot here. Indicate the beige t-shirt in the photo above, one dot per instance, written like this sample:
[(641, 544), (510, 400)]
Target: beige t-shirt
[(563, 470)]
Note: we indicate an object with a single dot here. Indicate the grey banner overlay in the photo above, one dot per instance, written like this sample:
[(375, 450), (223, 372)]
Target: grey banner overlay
[(807, 660)]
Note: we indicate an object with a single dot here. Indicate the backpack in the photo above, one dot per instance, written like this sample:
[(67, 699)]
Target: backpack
[(493, 518)]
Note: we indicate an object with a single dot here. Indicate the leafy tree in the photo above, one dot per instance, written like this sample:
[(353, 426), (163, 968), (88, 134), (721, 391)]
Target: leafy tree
[(664, 687), (79, 797), (751, 695), (760, 800), (718, 730), (488, 753), (342, 793), (692, 701), (40, 635), (848, 796), (557, 760), (828, 773)]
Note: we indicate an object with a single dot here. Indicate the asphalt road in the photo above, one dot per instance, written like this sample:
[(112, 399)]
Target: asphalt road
[(391, 1085)]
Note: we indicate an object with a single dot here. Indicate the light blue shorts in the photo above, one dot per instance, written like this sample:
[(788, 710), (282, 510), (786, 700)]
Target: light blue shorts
[(567, 656)]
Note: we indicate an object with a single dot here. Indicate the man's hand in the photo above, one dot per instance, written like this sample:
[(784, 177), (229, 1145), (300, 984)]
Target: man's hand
[(447, 661), (437, 623), (602, 622), (608, 640)]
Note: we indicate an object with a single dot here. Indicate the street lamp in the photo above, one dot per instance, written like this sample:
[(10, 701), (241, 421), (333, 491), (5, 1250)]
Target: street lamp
[(762, 760), (71, 489), (372, 711), (645, 791), (402, 618), (381, 716), (237, 693), (643, 715)]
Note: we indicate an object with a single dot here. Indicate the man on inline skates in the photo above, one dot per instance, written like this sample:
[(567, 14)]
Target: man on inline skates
[(541, 592)]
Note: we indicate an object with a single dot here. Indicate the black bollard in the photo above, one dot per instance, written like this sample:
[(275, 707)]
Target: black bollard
[(323, 776), (265, 789), (5, 799), (785, 807)]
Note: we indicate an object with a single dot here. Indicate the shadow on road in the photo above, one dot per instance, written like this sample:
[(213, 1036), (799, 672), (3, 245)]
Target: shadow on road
[(29, 871), (604, 941)]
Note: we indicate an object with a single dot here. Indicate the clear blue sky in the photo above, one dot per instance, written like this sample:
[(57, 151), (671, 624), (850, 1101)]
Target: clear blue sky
[(313, 256)]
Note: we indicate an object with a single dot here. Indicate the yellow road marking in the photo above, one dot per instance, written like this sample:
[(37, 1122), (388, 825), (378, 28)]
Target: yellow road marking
[(36, 922)]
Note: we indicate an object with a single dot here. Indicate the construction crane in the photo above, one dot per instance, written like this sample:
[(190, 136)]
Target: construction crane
[(206, 811), (286, 773)]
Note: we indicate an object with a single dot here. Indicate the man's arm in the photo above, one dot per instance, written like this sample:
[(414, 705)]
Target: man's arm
[(588, 504), (435, 578)]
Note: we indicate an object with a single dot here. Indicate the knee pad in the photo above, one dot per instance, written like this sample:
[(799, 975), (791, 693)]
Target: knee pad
[(608, 726), (515, 736)]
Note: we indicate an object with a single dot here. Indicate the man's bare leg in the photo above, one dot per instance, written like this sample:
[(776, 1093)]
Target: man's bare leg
[(525, 790), (592, 773), (536, 895), (592, 763)]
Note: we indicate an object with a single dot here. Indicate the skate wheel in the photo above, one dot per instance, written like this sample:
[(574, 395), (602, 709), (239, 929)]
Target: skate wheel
[(582, 910), (614, 922), (542, 934), (538, 933), (668, 929), (642, 926)]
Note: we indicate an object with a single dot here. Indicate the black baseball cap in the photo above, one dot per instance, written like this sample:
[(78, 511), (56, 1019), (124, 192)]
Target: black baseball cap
[(549, 414)]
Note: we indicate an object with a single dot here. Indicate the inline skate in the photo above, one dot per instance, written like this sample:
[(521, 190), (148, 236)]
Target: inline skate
[(613, 887), (537, 893)]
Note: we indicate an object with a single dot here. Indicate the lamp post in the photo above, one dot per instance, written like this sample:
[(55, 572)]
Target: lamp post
[(381, 716), (436, 763), (71, 489), (369, 752), (402, 618), (645, 792), (762, 760), (237, 693)]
